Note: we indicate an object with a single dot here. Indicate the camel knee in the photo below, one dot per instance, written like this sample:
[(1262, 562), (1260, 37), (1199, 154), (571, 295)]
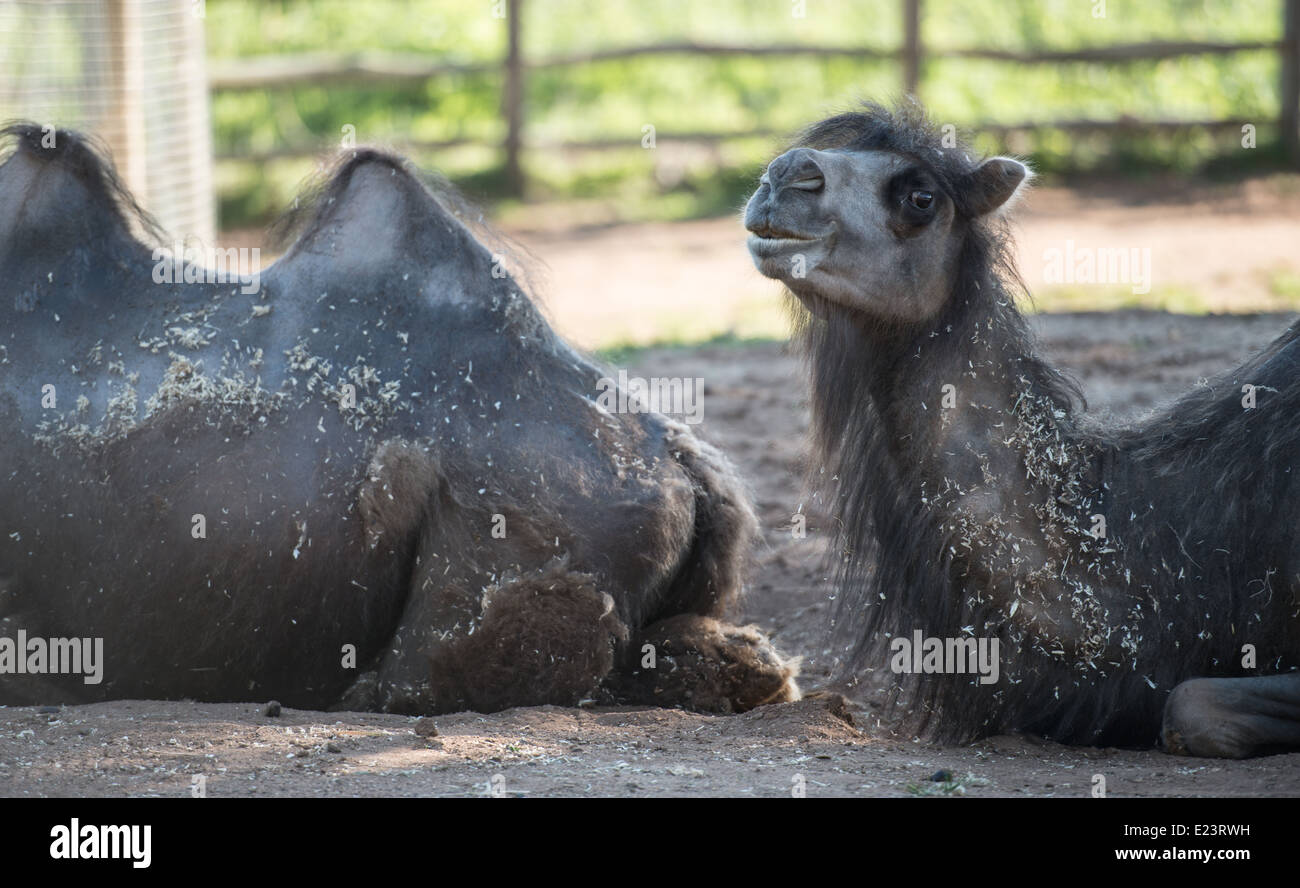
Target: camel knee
[(1196, 724), (699, 663), (546, 637)]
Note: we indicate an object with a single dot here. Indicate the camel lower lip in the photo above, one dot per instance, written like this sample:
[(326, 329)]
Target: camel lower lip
[(767, 245)]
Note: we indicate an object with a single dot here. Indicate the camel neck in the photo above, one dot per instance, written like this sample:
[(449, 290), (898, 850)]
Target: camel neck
[(970, 434), (958, 383)]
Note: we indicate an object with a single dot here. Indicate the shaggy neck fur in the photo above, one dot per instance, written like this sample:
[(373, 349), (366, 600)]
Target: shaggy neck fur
[(976, 520)]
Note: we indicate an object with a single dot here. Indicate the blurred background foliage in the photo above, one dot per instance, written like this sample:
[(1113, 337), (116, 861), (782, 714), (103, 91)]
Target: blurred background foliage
[(615, 99)]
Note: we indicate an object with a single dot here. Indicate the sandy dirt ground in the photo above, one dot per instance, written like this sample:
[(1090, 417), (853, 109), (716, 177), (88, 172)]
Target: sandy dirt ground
[(756, 408)]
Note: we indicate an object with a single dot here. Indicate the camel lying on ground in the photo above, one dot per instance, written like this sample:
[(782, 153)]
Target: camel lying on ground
[(370, 477)]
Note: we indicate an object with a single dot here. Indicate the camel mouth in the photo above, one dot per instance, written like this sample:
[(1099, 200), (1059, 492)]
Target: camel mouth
[(771, 243), (767, 231)]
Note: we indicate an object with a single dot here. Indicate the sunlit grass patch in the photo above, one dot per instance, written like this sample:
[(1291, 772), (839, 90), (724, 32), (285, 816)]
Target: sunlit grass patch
[(1280, 291), (622, 353)]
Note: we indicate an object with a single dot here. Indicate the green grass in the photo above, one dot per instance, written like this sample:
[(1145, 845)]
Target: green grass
[(1177, 299), (620, 354), (1285, 285), (687, 93)]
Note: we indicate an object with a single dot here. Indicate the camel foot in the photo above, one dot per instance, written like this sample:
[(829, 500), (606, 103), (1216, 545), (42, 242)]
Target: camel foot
[(701, 664), (1233, 717)]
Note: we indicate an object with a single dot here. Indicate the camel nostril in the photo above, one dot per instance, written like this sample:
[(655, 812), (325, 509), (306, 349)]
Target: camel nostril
[(810, 183), (796, 169)]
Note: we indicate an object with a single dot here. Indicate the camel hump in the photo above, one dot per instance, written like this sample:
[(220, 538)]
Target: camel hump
[(373, 213), (58, 192)]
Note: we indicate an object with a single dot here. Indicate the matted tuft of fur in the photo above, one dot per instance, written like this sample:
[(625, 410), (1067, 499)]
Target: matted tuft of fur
[(707, 666)]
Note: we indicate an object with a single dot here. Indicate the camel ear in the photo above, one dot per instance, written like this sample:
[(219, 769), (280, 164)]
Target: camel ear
[(994, 183)]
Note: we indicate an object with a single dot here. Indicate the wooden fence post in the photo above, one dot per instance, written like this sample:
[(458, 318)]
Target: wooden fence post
[(1289, 116), (911, 46), (513, 100), (123, 124)]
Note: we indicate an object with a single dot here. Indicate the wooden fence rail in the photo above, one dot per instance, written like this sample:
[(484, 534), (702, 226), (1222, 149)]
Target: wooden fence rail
[(282, 72)]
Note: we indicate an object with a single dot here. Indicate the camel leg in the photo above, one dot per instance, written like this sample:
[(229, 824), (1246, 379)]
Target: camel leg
[(709, 579), (1233, 717), (548, 636), (699, 663)]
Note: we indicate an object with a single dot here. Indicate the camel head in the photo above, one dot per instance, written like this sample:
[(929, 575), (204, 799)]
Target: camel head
[(870, 212)]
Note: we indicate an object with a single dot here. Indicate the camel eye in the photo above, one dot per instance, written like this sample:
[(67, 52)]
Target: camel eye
[(922, 200)]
